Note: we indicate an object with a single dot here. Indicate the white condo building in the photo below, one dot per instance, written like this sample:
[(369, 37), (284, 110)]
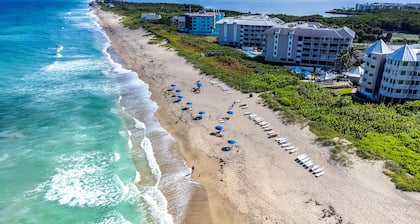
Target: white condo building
[(391, 76), (307, 44), (245, 30)]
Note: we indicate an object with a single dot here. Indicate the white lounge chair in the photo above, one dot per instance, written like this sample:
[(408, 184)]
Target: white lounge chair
[(300, 157), (262, 123), (282, 142), (252, 116), (305, 159), (320, 173), (265, 126), (285, 144), (293, 150), (282, 138), (270, 132), (268, 129), (308, 163), (318, 170), (273, 135), (314, 167), (289, 148), (247, 113)]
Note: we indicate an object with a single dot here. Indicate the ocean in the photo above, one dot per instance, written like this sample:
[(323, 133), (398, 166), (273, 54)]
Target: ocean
[(290, 7), (79, 142)]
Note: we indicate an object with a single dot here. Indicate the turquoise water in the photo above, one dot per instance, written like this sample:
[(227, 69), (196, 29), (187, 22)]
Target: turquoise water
[(77, 130)]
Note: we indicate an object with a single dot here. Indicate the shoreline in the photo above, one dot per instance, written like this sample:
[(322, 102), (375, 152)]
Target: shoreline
[(257, 182)]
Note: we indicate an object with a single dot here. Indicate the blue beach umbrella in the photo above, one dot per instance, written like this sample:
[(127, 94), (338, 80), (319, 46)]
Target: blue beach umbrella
[(180, 96), (173, 85), (232, 141), (219, 127), (201, 112), (189, 103), (178, 90), (230, 112), (199, 85)]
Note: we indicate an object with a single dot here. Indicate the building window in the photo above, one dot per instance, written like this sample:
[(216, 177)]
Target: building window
[(398, 91), (405, 63), (400, 82), (402, 72)]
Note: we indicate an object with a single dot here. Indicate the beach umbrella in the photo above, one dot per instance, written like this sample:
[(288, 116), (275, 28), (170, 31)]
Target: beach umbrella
[(230, 112), (232, 141), (219, 127), (199, 85), (180, 96), (173, 85), (189, 103), (201, 112), (178, 90)]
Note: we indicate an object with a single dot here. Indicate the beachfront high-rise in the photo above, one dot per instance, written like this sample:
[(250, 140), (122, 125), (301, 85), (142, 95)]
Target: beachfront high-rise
[(244, 30), (391, 76), (202, 23), (307, 44), (374, 62)]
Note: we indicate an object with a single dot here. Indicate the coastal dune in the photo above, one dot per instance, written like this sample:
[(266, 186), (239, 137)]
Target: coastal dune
[(257, 181)]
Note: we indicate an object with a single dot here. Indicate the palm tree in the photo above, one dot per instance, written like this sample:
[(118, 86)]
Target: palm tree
[(348, 59)]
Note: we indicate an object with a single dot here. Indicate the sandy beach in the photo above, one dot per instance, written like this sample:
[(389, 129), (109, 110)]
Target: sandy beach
[(257, 181)]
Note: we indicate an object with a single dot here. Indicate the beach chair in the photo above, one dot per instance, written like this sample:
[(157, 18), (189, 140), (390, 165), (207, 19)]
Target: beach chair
[(304, 160), (289, 148), (252, 116), (320, 173), (282, 138), (247, 113), (318, 170), (308, 164), (265, 126), (314, 167), (282, 142), (293, 150), (300, 157), (267, 129), (285, 144), (273, 135), (270, 132), (262, 123), (244, 107), (258, 120)]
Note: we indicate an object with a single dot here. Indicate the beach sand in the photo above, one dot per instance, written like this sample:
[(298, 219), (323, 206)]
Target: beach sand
[(257, 181)]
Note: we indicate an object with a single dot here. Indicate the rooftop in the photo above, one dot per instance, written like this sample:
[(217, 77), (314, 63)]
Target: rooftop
[(252, 20), (379, 47), (311, 29)]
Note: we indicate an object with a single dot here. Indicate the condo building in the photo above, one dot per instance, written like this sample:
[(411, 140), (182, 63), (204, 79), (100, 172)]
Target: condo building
[(244, 30), (202, 23), (396, 73), (374, 62), (307, 44)]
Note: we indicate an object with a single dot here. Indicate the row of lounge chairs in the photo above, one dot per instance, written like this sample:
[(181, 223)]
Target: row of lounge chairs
[(263, 124), (310, 164), (284, 143)]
